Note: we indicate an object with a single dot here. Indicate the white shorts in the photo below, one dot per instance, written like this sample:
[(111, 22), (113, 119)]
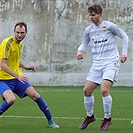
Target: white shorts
[(99, 72)]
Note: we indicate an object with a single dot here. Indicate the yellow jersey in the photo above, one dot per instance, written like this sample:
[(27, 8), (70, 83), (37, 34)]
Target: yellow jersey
[(10, 50)]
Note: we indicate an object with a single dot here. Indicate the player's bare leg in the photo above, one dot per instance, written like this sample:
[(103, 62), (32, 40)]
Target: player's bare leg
[(8, 100)]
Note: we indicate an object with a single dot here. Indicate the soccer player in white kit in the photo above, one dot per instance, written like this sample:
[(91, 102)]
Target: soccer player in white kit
[(101, 37)]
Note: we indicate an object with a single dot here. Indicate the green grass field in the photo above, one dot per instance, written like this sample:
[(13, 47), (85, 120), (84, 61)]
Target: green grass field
[(67, 108)]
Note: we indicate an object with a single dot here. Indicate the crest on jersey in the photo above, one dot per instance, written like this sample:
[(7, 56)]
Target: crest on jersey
[(104, 28)]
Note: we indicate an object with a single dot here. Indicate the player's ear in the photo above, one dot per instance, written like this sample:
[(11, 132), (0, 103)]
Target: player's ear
[(100, 14)]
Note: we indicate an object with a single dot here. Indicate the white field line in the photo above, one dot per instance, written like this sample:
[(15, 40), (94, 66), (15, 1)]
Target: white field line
[(128, 91), (69, 118)]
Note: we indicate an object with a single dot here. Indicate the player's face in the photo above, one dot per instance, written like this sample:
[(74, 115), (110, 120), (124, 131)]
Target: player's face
[(19, 33), (95, 18)]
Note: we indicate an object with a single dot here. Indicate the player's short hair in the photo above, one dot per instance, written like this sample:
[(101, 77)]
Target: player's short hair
[(21, 24), (95, 8)]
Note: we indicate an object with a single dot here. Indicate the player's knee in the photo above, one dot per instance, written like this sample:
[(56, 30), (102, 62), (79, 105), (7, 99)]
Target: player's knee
[(104, 92), (11, 100), (87, 92), (35, 96)]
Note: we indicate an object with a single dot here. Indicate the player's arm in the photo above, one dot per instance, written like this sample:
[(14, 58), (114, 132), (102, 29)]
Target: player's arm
[(80, 51), (120, 33), (83, 46), (9, 71), (27, 67), (79, 55), (123, 58)]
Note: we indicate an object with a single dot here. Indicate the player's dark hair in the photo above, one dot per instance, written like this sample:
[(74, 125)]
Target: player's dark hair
[(95, 8), (21, 24)]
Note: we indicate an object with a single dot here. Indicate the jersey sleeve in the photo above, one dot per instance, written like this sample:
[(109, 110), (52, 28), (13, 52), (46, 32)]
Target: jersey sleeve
[(85, 41), (3, 50), (120, 33)]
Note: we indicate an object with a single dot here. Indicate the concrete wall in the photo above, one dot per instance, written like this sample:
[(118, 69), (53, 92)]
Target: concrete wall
[(55, 29)]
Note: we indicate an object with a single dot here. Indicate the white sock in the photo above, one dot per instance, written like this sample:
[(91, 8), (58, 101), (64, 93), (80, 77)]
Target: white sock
[(107, 105), (89, 103)]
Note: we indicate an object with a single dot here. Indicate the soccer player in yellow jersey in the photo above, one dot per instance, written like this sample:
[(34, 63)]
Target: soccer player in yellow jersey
[(12, 79)]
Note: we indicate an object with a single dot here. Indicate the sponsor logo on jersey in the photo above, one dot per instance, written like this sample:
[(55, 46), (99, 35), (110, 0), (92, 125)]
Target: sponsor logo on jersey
[(95, 41)]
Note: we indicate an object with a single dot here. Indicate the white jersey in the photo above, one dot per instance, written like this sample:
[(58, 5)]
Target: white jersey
[(102, 40)]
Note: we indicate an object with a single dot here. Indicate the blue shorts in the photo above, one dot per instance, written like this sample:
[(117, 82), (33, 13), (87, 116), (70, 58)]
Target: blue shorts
[(15, 85)]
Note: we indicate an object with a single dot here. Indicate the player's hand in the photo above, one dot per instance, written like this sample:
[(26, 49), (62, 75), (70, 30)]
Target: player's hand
[(31, 68), (79, 55), (123, 58), (22, 79)]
